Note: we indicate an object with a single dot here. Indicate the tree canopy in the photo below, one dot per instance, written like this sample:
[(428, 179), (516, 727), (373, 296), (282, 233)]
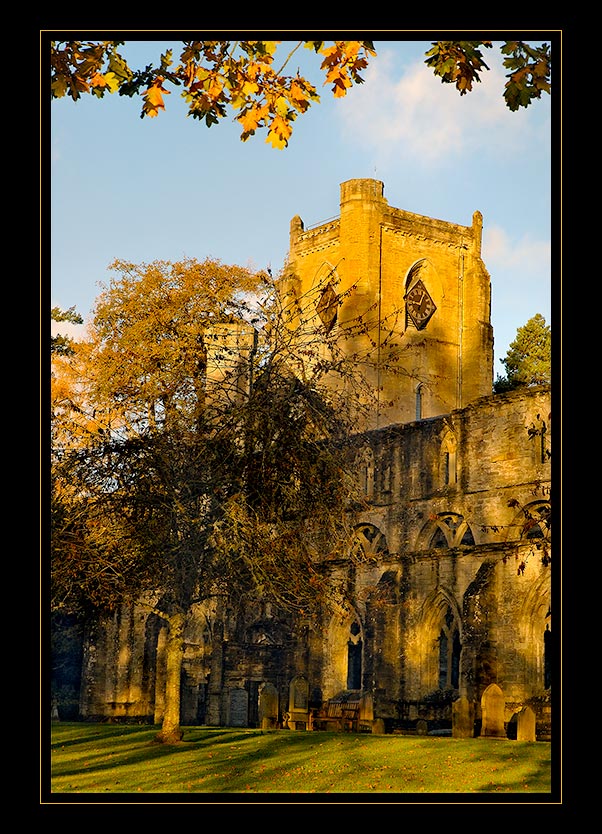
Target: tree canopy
[(245, 78), (189, 462), (528, 360), (59, 343)]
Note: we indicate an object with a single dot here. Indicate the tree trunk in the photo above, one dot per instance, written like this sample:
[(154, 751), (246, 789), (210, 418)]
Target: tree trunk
[(170, 729)]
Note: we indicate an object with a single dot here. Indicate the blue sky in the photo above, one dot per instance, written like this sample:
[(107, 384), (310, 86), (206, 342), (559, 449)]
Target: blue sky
[(170, 188)]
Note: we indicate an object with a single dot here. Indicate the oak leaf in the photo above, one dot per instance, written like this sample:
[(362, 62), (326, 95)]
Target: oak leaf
[(153, 99)]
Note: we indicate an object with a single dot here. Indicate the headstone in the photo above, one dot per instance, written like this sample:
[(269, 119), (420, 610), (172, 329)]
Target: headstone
[(268, 707), (422, 727), (238, 708), (298, 704), (463, 712), (299, 694), (492, 712), (378, 727), (525, 729)]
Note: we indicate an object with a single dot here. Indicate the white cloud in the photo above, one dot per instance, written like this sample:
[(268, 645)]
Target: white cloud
[(526, 255), (420, 116), (520, 283)]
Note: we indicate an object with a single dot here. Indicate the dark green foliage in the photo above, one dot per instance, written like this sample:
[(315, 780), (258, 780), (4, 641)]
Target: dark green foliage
[(529, 360)]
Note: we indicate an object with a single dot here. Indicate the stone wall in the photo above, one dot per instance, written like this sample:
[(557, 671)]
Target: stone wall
[(439, 557)]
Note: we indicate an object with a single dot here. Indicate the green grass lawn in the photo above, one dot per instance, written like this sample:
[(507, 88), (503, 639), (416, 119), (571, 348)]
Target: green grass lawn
[(119, 759)]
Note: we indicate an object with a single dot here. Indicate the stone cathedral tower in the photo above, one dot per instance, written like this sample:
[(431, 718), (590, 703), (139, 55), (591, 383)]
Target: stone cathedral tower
[(421, 288)]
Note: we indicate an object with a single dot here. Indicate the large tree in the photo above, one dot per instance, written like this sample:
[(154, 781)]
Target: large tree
[(197, 451), (250, 79), (529, 357)]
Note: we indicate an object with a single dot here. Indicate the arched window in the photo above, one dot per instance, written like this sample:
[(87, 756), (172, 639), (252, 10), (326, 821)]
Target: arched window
[(533, 521), (450, 530), (354, 657), (327, 303), (449, 653), (327, 306), (371, 540), (547, 658), (448, 460), (536, 524)]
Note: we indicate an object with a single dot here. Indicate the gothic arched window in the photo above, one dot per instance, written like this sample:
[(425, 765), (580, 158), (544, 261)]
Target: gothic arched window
[(547, 658), (354, 657), (451, 530), (449, 474), (449, 653)]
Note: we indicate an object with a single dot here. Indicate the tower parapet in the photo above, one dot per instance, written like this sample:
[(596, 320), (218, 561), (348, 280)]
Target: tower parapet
[(366, 190)]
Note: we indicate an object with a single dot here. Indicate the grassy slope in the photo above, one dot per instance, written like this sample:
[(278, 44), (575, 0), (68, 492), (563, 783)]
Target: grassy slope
[(109, 758)]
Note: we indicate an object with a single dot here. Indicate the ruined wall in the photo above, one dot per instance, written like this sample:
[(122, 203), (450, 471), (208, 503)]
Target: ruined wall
[(445, 551), (457, 546)]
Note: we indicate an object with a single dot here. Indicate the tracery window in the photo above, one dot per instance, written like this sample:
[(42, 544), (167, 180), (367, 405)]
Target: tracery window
[(371, 540), (449, 652), (327, 307), (449, 474), (354, 657), (451, 531)]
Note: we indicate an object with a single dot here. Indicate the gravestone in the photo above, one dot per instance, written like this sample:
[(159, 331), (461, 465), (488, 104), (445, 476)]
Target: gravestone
[(298, 704), (463, 718), (238, 708), (378, 727), (525, 725), (422, 727), (268, 707), (492, 712)]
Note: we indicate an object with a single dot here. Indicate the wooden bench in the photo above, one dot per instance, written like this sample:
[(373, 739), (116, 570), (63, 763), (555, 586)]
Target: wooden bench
[(339, 716)]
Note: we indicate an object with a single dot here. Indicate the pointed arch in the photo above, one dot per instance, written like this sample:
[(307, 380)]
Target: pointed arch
[(371, 540), (387, 589), (346, 642), (413, 273), (448, 474), (354, 656), (531, 522), (535, 633), (441, 641), (445, 531), (325, 284)]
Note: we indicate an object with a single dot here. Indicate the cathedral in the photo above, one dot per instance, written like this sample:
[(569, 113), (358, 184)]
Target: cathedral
[(451, 623)]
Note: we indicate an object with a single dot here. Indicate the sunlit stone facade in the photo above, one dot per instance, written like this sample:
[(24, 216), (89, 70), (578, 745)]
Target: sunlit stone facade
[(452, 587)]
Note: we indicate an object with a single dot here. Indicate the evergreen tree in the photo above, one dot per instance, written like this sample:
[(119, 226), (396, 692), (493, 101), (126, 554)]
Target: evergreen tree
[(528, 361)]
